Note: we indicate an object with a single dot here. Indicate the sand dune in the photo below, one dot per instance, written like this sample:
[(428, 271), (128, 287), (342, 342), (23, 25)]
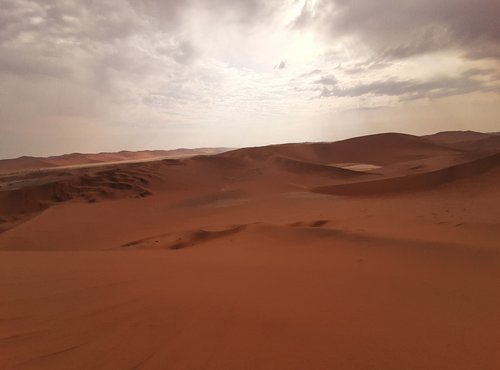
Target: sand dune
[(380, 149), (294, 165), (380, 252), (457, 137), (206, 180), (415, 182), (487, 144), (79, 159)]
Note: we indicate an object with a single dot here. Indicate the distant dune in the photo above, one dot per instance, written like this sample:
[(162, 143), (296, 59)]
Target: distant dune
[(378, 252), (457, 137), (394, 163), (415, 182), (78, 159), (375, 149)]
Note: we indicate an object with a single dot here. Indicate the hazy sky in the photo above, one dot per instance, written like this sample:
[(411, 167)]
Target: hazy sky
[(106, 75)]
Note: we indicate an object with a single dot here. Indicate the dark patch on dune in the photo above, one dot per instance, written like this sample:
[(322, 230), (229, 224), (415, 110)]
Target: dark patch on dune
[(184, 239), (171, 162), (194, 237), (317, 223)]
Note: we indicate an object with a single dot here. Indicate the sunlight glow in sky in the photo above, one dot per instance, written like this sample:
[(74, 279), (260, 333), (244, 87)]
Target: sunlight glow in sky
[(90, 76)]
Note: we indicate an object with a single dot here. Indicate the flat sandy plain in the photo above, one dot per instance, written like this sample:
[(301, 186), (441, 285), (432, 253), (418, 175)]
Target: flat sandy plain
[(374, 253)]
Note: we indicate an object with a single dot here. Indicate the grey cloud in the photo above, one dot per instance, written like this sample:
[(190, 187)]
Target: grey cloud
[(312, 73), (185, 53), (93, 44), (18, 16), (281, 65), (482, 51), (165, 15), (409, 27), (182, 51), (363, 67), (412, 89), (57, 38), (243, 11), (479, 72), (63, 37), (170, 14), (327, 80), (24, 64), (67, 20)]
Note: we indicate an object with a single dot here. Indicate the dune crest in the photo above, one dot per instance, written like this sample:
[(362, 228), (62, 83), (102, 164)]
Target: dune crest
[(415, 182)]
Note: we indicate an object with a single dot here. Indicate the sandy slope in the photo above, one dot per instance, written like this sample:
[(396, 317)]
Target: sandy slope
[(254, 259)]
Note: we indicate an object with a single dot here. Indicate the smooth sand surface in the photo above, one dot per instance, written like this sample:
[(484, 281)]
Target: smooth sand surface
[(258, 258)]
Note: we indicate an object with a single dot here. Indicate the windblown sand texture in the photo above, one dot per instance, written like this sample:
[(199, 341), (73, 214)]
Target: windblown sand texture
[(379, 252)]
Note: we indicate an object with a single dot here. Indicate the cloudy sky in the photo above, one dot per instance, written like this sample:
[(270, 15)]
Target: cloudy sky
[(106, 75)]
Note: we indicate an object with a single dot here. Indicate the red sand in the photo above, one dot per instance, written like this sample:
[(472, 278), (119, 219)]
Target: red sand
[(259, 258)]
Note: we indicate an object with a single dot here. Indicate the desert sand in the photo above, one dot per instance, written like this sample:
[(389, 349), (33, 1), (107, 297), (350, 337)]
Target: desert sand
[(379, 252)]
